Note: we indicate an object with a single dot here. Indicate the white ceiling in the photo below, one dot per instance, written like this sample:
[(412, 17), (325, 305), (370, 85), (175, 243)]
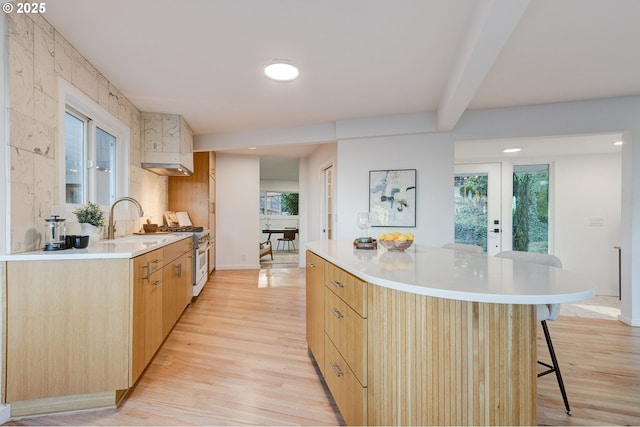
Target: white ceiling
[(358, 58)]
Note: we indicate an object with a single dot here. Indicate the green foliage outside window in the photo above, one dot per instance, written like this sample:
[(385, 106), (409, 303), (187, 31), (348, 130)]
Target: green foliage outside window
[(471, 210), (289, 203), (531, 211)]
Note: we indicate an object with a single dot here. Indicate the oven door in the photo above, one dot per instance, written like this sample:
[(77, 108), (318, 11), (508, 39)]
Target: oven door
[(200, 269)]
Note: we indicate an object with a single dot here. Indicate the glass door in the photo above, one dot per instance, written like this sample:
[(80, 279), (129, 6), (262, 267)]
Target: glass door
[(530, 208), (477, 206)]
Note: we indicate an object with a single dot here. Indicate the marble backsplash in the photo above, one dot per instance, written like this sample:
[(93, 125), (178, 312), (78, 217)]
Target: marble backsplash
[(37, 57)]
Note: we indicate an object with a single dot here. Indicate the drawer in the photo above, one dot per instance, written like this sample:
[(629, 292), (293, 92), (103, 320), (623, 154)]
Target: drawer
[(349, 395), (175, 250), (348, 332), (352, 290), (149, 262)]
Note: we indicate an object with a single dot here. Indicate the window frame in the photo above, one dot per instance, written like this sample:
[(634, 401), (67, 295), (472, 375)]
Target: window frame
[(75, 99), (264, 196)]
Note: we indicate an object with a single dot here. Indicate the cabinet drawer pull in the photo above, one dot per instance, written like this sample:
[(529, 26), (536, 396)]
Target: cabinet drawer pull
[(157, 261), (148, 272), (336, 369), (336, 313), (337, 284), (157, 282), (311, 265)]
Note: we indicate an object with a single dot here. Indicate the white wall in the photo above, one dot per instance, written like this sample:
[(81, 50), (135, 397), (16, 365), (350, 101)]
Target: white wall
[(312, 193), (432, 157), (237, 204), (611, 115), (587, 217), (583, 190)]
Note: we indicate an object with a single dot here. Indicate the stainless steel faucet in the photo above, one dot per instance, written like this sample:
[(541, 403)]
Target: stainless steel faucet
[(111, 229)]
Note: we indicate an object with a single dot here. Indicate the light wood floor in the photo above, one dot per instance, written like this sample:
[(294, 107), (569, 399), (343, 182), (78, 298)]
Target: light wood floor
[(238, 356)]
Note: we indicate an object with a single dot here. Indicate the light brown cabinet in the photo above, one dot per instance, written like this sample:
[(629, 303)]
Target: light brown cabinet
[(337, 334), (161, 291), (195, 194), (67, 328), (177, 291), (345, 328), (147, 310), (398, 358), (79, 332), (315, 307)]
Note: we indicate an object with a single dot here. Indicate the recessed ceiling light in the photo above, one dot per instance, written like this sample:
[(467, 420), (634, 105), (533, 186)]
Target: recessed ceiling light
[(253, 148), (617, 143), (282, 71), (511, 150)]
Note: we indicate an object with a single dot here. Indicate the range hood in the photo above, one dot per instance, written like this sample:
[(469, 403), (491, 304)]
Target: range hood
[(167, 169), (168, 144)]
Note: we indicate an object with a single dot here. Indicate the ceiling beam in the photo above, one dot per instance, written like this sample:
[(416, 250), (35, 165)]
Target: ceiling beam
[(490, 26)]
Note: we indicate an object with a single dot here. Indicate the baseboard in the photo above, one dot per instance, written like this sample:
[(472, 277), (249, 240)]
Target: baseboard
[(5, 413), (629, 321)]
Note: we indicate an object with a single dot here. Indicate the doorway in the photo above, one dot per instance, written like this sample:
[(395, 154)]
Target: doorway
[(477, 193), (584, 197)]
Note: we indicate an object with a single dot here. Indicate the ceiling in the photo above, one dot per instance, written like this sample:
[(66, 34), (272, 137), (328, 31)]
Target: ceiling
[(358, 58)]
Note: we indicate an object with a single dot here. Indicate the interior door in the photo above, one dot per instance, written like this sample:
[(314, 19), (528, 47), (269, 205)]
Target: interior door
[(477, 206), (327, 204)]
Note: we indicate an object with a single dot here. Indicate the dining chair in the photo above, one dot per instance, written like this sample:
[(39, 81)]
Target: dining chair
[(287, 237), (544, 312), (474, 249)]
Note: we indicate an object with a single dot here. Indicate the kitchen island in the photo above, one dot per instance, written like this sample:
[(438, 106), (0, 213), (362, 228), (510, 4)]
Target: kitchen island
[(82, 324), (429, 336)]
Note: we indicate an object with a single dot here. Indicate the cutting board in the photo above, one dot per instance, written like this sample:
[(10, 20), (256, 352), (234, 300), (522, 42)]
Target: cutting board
[(183, 219)]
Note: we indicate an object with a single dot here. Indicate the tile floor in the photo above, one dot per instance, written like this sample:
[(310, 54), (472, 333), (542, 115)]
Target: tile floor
[(600, 307)]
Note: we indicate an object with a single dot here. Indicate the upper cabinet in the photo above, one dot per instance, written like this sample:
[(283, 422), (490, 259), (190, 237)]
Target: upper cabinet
[(168, 144)]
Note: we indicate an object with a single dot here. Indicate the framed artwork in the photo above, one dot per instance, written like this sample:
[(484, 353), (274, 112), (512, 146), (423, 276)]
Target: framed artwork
[(392, 198)]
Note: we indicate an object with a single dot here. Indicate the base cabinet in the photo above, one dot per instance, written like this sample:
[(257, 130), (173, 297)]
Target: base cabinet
[(67, 328), (79, 332), (315, 307), (162, 288), (398, 358)]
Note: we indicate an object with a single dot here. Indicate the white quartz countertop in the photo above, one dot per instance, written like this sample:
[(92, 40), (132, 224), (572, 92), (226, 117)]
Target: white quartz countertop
[(122, 247), (457, 275)]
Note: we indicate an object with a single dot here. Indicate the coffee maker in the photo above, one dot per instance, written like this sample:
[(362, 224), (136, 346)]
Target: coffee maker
[(55, 231)]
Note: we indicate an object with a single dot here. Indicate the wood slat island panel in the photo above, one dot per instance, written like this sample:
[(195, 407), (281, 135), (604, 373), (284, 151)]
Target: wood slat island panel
[(434, 361)]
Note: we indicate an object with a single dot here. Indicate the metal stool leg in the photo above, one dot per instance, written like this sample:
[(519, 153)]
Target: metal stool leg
[(555, 368)]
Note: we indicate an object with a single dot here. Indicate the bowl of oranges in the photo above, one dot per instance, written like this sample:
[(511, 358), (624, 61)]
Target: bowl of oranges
[(395, 241)]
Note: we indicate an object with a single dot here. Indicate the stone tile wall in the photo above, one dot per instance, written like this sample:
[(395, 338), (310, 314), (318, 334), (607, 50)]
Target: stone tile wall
[(37, 56)]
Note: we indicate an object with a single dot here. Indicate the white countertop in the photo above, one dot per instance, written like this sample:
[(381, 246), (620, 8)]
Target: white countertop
[(122, 247), (457, 275)]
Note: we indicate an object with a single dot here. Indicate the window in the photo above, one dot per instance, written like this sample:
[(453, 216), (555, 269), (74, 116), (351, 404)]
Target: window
[(278, 203), (90, 160), (95, 147), (531, 208)]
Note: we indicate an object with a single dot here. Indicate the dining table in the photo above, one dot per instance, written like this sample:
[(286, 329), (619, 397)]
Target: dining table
[(271, 231)]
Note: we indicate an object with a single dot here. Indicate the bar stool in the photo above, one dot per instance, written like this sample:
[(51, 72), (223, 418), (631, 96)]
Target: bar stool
[(544, 312)]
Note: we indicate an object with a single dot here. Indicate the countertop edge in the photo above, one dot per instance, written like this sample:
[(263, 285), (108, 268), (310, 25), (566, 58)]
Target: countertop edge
[(483, 297), (134, 249)]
